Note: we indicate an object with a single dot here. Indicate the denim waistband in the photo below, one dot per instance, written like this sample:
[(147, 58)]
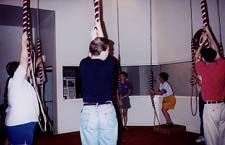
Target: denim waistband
[(96, 104)]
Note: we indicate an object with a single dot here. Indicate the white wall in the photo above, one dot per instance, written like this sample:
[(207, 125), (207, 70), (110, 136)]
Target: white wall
[(8, 51), (171, 26), (134, 18), (141, 112)]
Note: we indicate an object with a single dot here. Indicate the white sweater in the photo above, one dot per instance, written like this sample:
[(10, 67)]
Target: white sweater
[(22, 101)]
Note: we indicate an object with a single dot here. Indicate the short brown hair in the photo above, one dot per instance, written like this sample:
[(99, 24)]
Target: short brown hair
[(164, 76), (98, 45)]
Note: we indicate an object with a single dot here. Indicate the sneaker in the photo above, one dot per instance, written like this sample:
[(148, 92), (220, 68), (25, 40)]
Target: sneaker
[(200, 139)]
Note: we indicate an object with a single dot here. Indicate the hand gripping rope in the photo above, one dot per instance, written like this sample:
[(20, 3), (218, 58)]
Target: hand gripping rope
[(205, 20), (27, 29)]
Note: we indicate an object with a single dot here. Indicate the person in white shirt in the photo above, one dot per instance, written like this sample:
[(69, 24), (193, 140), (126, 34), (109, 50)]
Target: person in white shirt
[(23, 110), (169, 99)]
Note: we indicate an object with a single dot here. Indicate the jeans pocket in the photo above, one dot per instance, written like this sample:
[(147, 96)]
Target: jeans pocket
[(109, 120), (89, 119), (84, 119)]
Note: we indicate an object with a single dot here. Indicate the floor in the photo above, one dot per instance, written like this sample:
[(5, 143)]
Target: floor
[(136, 135)]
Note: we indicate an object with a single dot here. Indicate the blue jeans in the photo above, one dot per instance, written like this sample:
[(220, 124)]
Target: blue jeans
[(98, 125), (21, 134), (201, 108)]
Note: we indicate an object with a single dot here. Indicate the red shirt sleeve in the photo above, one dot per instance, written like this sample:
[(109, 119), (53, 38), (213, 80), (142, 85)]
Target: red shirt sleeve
[(199, 66)]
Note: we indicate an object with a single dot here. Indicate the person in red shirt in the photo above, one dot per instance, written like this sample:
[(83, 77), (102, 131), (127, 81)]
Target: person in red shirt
[(211, 66)]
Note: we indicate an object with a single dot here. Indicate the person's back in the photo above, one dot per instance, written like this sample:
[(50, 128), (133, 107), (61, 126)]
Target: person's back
[(22, 102), (97, 77), (213, 84)]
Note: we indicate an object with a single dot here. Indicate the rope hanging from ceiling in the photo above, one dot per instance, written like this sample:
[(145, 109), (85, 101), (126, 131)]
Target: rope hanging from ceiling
[(98, 32), (151, 67), (193, 71), (119, 59), (221, 50), (205, 18), (31, 62), (41, 73)]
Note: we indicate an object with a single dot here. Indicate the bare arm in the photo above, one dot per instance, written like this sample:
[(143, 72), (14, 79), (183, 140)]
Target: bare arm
[(156, 92), (39, 62), (24, 53), (197, 54), (97, 31), (212, 38), (214, 43), (203, 39)]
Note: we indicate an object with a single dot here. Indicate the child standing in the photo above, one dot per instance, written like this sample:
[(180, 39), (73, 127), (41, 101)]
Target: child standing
[(124, 91)]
